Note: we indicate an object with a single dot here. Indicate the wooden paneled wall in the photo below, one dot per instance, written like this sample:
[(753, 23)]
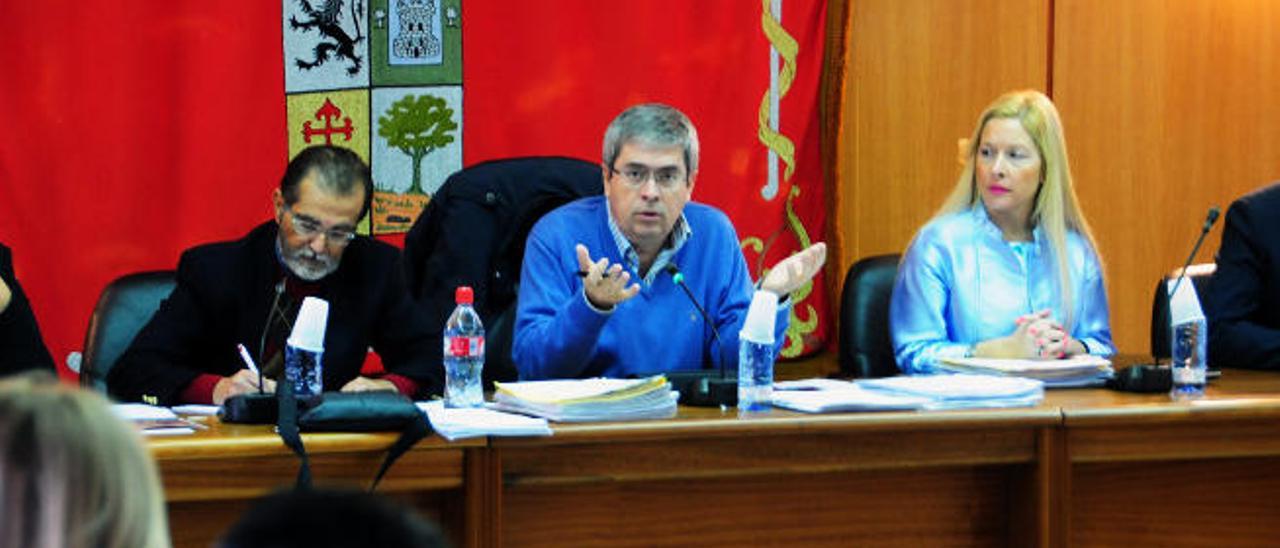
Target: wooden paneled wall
[(919, 73), (1169, 106)]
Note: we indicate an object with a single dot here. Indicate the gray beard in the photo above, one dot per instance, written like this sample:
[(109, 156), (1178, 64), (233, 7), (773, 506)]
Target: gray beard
[(304, 265)]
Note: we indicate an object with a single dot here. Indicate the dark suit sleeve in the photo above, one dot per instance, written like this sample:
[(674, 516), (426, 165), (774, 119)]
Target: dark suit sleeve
[(402, 336), (21, 347), (1239, 301), (161, 360)]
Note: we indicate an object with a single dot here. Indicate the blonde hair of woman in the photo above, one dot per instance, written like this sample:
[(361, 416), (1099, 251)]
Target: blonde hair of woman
[(71, 473), (1056, 209)]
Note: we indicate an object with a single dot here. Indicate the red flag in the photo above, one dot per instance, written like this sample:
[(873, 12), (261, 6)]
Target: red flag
[(135, 130)]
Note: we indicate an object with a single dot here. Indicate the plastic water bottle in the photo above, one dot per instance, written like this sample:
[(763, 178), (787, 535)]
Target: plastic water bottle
[(755, 375), (304, 367), (1190, 344), (1189, 338), (304, 350), (463, 353), (755, 354)]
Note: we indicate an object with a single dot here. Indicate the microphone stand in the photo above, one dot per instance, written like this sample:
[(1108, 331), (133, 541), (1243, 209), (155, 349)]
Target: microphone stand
[(271, 316), (703, 388), (1211, 218), (260, 407), (1156, 377)]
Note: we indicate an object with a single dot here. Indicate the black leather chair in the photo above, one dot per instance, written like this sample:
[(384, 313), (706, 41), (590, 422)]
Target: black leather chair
[(1198, 275), (866, 346), (125, 305)]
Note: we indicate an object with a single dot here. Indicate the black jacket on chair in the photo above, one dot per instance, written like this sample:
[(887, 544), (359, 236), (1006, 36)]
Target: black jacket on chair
[(1243, 297), (473, 232), (223, 294), (21, 347)]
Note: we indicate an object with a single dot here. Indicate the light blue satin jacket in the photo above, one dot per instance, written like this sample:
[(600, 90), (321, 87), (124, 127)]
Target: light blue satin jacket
[(961, 283)]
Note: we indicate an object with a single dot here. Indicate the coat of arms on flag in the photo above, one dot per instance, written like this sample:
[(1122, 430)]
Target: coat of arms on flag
[(383, 78)]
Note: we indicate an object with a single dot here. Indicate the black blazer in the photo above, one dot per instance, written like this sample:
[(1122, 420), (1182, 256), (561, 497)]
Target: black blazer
[(21, 347), (1243, 297), (222, 297)]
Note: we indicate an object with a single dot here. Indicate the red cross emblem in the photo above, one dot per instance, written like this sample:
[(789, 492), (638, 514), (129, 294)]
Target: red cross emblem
[(328, 113)]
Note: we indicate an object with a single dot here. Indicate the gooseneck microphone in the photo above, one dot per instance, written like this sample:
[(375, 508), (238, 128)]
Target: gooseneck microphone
[(259, 407), (266, 327), (1209, 219), (702, 387), (678, 278), (1155, 377)]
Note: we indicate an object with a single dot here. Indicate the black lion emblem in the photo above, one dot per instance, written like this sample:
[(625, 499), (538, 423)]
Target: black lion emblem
[(333, 38)]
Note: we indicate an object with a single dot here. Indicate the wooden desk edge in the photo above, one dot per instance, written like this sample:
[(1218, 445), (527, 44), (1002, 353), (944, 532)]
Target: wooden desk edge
[(730, 426)]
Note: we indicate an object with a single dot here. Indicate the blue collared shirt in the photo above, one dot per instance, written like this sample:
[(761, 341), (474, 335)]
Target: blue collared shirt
[(961, 283), (680, 234), (658, 330)]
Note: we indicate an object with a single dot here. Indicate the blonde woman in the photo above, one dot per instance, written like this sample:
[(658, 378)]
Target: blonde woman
[(71, 474), (1008, 267)]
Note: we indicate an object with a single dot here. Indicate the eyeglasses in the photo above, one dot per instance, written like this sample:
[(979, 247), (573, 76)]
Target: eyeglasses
[(309, 229), (667, 178)]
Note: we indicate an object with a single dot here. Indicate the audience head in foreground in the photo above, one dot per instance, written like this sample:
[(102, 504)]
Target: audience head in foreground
[(1008, 267), (71, 473), (587, 261), (338, 519)]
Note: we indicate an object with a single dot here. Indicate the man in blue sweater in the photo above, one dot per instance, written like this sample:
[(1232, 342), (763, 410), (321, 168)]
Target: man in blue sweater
[(580, 312)]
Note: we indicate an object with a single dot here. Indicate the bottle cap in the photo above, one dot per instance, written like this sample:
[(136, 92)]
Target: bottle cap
[(308, 329), (758, 328), (464, 295)]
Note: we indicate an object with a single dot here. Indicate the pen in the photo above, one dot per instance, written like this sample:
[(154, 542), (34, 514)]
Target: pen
[(583, 274), (248, 360)]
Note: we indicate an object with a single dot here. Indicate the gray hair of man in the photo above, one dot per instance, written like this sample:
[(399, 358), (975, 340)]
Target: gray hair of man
[(338, 170), (652, 124)]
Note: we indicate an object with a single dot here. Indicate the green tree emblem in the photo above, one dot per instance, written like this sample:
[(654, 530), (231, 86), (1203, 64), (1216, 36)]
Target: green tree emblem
[(417, 125)]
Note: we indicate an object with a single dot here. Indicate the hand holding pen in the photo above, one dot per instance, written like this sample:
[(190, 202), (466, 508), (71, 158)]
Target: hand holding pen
[(243, 381), (248, 361)]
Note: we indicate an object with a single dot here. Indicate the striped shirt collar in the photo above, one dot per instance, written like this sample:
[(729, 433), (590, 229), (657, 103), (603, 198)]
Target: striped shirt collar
[(680, 234)]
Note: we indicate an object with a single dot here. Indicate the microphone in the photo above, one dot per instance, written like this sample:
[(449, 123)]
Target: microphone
[(1209, 219), (266, 327), (678, 278), (259, 407), (1156, 377), (703, 388)]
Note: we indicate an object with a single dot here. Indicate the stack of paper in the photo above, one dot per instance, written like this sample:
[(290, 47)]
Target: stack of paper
[(1084, 370), (908, 393), (836, 396), (196, 409), (962, 391), (456, 424), (154, 421), (589, 399)]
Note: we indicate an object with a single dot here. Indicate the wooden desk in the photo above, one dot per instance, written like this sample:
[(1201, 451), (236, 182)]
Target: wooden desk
[(1085, 468), (711, 478), (211, 477), (1144, 471)]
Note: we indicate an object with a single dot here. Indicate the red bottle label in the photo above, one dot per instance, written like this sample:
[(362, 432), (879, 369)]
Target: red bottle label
[(462, 347)]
